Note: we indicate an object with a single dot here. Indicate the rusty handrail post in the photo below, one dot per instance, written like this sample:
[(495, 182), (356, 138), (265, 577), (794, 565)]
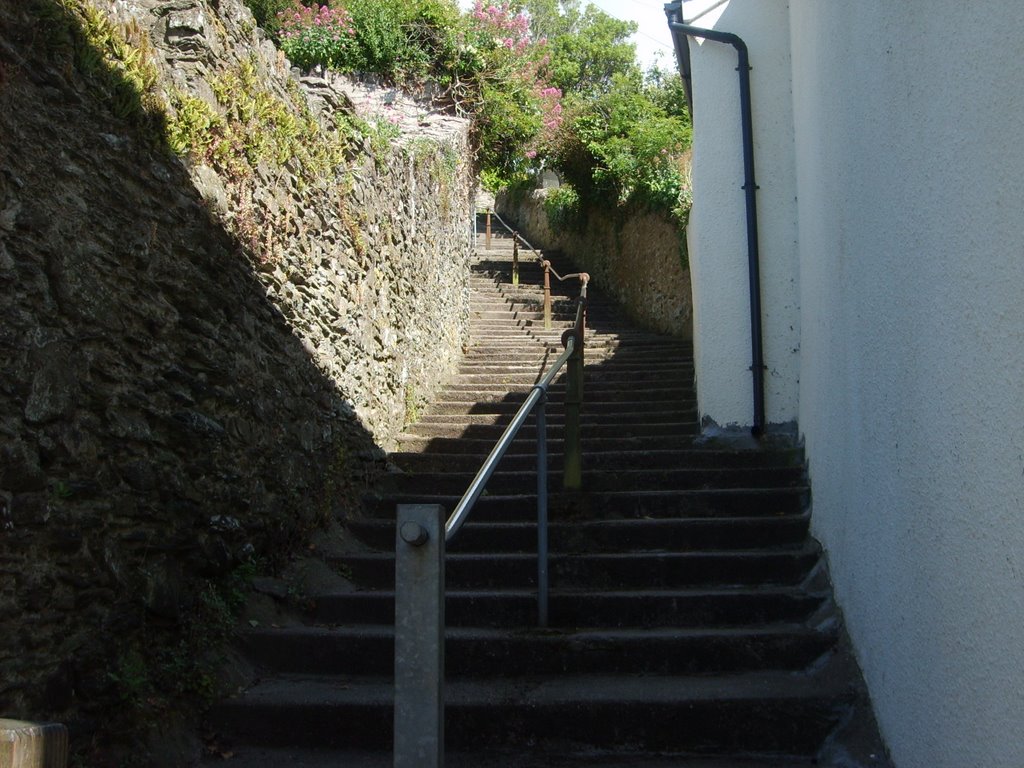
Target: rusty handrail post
[(487, 237), (515, 258), (572, 477), (547, 294)]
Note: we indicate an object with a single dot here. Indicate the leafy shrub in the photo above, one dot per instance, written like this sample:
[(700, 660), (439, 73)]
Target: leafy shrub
[(266, 13), (317, 35), (625, 145), (381, 40), (252, 125), (563, 209)]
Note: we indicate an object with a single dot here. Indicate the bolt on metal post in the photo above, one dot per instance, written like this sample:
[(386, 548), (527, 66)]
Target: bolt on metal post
[(419, 636)]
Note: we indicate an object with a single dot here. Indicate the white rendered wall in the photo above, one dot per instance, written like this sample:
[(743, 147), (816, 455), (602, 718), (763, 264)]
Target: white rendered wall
[(910, 167), (717, 231)]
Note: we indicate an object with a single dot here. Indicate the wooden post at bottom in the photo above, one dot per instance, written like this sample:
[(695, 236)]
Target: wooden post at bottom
[(33, 745)]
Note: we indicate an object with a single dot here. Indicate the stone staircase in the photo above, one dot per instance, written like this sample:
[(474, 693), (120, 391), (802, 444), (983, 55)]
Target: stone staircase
[(691, 618)]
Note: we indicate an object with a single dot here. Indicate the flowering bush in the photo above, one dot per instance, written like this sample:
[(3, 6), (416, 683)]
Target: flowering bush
[(317, 35), (508, 30), (517, 110)]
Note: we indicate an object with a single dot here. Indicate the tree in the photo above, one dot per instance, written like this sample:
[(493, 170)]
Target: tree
[(587, 48)]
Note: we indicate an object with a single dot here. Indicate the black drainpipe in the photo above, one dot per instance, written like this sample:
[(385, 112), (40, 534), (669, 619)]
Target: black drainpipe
[(674, 11)]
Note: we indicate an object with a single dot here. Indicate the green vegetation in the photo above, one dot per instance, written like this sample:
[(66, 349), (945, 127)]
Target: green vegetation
[(549, 85), (311, 36), (252, 126), (486, 61), (162, 664), (116, 59), (624, 135), (562, 208)]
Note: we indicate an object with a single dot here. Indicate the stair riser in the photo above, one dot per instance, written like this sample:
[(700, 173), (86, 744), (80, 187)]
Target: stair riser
[(588, 572), (597, 482), (644, 353), (682, 377), (639, 609), (766, 726), (592, 369), (604, 416), (556, 409), (589, 429), (556, 395), (521, 445), (679, 536), (678, 503), (527, 462), (513, 656)]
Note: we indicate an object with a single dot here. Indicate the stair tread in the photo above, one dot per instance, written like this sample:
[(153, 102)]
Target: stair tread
[(518, 757), (610, 557), (563, 592), (555, 635), (705, 521), (769, 685), (441, 498), (711, 581)]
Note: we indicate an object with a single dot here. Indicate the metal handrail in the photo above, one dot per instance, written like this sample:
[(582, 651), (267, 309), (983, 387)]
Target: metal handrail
[(543, 262), (572, 339), (476, 487), (421, 537)]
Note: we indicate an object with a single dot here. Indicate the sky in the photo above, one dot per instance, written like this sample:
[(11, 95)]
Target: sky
[(652, 38)]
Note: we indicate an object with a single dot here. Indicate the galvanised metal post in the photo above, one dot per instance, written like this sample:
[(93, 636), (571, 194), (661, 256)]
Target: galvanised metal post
[(572, 478), (542, 511), (487, 239), (419, 636), (515, 258), (547, 295)]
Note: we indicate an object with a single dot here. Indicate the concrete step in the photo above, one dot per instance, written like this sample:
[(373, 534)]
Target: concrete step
[(704, 502), (485, 652), (481, 446), (607, 365), (638, 354), (729, 606), (690, 625), (521, 756), (602, 413), (440, 460), (556, 407), (603, 536), (615, 570), (758, 712), (682, 376), (598, 481), (596, 392), (591, 428)]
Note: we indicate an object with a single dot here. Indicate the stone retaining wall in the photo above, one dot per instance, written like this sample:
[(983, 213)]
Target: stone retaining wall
[(176, 399), (638, 259)]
